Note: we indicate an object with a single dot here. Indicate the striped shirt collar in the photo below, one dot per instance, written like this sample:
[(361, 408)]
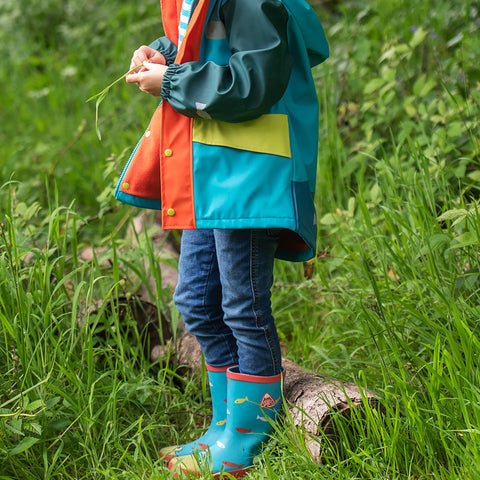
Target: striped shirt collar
[(185, 15)]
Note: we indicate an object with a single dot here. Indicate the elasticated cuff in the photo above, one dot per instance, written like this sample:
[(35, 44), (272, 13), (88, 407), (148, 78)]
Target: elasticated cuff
[(167, 80)]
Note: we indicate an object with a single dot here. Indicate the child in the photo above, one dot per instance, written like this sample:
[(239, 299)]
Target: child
[(230, 158)]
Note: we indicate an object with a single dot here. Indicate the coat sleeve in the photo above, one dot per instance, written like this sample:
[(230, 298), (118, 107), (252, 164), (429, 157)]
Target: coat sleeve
[(166, 47), (257, 73)]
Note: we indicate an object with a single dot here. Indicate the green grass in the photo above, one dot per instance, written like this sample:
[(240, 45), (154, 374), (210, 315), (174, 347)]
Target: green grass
[(390, 303)]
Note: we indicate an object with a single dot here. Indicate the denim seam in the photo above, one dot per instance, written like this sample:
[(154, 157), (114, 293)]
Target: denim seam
[(256, 309)]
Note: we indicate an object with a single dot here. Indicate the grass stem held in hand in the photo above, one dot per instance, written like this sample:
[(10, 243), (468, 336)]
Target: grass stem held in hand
[(101, 95)]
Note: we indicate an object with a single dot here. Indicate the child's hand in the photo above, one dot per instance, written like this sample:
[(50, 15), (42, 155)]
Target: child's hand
[(149, 79), (146, 54)]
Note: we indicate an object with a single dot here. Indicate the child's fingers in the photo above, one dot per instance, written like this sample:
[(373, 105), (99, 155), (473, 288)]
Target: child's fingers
[(139, 56), (154, 67), (157, 57), (132, 78), (137, 61)]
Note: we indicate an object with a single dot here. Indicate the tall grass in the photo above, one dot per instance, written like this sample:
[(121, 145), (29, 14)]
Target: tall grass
[(390, 302)]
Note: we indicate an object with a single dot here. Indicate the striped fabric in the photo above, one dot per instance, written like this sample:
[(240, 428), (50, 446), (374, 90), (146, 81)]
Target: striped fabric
[(184, 18)]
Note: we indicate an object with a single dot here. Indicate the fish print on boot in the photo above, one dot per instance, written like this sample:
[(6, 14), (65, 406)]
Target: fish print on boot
[(217, 377), (253, 405)]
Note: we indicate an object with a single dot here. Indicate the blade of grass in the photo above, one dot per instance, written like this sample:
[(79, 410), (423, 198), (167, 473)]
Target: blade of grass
[(100, 96)]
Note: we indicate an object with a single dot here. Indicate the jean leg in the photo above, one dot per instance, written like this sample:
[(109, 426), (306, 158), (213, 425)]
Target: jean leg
[(198, 298), (245, 261)]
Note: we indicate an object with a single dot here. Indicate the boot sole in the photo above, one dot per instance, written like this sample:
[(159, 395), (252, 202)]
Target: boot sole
[(187, 473)]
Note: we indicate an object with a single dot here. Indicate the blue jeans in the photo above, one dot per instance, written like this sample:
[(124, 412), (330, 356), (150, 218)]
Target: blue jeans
[(223, 295)]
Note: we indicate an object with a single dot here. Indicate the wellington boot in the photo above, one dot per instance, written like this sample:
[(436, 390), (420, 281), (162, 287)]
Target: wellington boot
[(253, 405), (217, 377)]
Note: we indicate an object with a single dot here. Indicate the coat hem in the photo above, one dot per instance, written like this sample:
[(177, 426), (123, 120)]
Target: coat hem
[(151, 204)]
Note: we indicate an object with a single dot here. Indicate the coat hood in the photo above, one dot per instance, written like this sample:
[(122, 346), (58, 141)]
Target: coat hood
[(307, 24)]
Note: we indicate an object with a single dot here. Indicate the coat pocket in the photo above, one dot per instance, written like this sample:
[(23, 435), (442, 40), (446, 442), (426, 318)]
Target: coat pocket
[(266, 134)]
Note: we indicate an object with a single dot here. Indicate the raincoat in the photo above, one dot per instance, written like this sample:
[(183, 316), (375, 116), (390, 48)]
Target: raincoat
[(234, 142)]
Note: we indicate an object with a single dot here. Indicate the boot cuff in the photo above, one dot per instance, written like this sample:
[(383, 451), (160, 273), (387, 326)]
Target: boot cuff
[(234, 374), (211, 368)]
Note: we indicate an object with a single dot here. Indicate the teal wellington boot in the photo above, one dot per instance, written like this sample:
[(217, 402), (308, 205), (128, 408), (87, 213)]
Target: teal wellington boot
[(217, 377), (253, 405)]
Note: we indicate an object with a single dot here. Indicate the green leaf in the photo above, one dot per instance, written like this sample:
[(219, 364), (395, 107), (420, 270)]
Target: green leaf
[(25, 444), (362, 50), (455, 129), (391, 52), (418, 37), (35, 405), (34, 427), (455, 40), (468, 281), (422, 86), (373, 85), (97, 106), (453, 214), (15, 426), (436, 242), (465, 240), (475, 175), (376, 194), (329, 219)]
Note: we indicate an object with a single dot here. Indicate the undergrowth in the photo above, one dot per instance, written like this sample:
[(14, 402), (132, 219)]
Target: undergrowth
[(390, 302)]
